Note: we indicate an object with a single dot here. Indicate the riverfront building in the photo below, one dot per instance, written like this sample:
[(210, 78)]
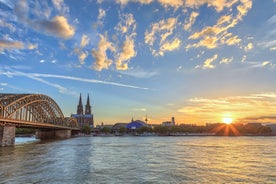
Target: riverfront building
[(85, 118)]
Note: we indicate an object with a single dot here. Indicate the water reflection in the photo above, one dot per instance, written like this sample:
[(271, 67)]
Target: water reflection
[(142, 160)]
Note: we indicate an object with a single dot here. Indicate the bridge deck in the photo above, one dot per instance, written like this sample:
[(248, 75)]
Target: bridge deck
[(20, 123)]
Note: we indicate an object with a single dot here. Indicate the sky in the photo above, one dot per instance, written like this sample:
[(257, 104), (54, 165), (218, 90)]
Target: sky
[(197, 61)]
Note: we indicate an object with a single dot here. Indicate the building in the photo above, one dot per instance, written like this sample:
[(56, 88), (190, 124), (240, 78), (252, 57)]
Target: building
[(169, 123), (133, 125), (84, 118)]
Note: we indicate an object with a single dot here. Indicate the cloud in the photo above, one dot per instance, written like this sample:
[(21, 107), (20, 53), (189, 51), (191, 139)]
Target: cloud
[(140, 109), (3, 84), (101, 14), (37, 76), (212, 36), (243, 58), (208, 62), (163, 28), (170, 46), (128, 52), (219, 5), (11, 27), (226, 60), (189, 22), (272, 48), (127, 29), (127, 25), (171, 3), (102, 60), (84, 40), (248, 47), (32, 46), (60, 6), (124, 2), (139, 73), (238, 106), (58, 26), (4, 44)]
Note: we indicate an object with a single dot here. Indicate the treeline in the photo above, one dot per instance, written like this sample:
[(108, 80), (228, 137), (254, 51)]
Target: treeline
[(216, 129)]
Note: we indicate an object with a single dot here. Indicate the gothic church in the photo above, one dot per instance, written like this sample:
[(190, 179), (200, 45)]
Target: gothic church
[(86, 118)]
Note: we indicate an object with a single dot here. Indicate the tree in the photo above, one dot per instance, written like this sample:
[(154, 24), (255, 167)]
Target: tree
[(86, 129), (106, 130), (122, 130)]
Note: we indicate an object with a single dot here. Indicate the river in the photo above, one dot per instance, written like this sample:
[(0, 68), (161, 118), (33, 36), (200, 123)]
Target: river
[(187, 159)]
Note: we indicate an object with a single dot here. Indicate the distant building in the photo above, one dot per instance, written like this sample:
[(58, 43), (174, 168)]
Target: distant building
[(116, 127), (85, 118), (273, 128), (169, 123), (133, 125)]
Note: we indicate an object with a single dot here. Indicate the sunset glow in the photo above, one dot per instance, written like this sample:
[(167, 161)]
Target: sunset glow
[(227, 120)]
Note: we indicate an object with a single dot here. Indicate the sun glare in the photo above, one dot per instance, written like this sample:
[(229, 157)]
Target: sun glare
[(227, 120)]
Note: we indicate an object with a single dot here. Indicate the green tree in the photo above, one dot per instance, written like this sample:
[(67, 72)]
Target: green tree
[(86, 129), (161, 130), (106, 130), (122, 130)]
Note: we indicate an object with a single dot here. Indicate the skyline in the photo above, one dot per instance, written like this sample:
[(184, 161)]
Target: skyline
[(198, 61)]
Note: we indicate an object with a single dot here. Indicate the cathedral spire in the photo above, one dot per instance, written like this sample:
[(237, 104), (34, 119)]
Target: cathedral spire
[(80, 106), (88, 106)]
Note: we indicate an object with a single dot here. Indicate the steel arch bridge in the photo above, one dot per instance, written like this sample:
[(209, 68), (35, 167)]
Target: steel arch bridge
[(33, 110)]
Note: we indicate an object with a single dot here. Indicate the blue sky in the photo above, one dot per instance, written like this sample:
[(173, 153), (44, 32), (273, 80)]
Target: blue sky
[(199, 61)]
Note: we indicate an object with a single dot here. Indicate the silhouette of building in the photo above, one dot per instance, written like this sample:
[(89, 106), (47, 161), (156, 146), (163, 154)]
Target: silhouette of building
[(85, 118), (169, 123)]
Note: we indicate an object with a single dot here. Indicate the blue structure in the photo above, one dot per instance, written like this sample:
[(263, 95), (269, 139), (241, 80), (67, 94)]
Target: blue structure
[(87, 118), (135, 124)]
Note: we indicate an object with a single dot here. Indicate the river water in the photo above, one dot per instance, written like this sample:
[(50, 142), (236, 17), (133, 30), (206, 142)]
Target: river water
[(187, 159)]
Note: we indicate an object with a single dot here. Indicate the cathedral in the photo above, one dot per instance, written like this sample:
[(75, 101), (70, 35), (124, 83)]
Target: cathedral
[(84, 118)]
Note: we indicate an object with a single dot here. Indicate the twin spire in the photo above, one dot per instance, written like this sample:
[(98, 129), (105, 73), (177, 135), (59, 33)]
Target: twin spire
[(87, 106)]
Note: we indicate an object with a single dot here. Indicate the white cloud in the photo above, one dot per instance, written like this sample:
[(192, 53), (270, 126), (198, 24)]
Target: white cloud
[(84, 40), (139, 73), (189, 22), (128, 52), (212, 36), (248, 47), (170, 46), (58, 26), (127, 29), (163, 29), (102, 60), (208, 62), (101, 14), (226, 60), (60, 6), (172, 3)]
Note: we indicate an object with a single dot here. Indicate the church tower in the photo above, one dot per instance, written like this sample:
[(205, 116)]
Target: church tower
[(80, 106), (88, 106)]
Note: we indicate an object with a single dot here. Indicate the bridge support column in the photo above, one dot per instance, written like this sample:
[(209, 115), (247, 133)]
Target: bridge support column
[(53, 134), (63, 134), (7, 135)]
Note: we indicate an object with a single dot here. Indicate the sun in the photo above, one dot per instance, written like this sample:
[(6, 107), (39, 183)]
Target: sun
[(227, 120)]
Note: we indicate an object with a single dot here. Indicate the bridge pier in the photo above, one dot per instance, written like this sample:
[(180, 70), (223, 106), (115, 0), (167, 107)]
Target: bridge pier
[(7, 135), (52, 134)]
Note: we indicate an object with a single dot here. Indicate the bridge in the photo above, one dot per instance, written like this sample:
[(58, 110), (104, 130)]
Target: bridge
[(33, 111)]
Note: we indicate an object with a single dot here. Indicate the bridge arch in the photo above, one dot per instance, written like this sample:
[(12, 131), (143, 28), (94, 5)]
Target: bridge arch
[(33, 108)]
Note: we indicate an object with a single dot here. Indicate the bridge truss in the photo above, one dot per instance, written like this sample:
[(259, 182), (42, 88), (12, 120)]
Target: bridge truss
[(33, 110)]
